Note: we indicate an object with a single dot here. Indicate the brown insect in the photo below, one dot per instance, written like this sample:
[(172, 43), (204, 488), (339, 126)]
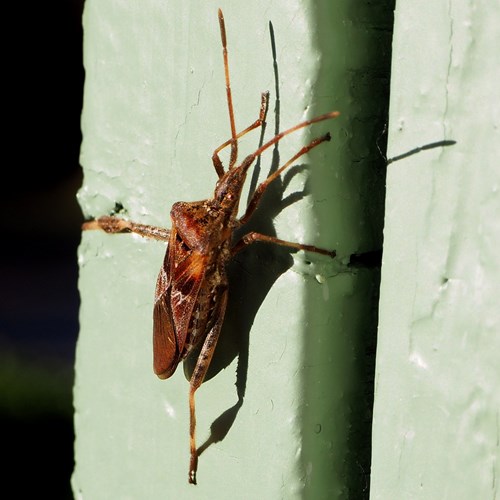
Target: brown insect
[(191, 290)]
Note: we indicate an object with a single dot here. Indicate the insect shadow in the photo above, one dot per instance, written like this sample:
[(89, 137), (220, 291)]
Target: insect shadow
[(411, 152), (251, 275), (425, 147)]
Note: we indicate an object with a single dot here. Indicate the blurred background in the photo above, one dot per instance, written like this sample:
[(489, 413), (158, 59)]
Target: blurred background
[(40, 226)]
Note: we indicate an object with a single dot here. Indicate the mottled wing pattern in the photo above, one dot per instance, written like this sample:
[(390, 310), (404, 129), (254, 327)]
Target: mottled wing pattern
[(176, 294)]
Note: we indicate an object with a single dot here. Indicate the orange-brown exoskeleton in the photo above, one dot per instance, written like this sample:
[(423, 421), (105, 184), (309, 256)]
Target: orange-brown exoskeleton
[(191, 290)]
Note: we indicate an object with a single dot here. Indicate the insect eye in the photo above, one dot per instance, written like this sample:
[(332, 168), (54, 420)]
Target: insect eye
[(220, 192)]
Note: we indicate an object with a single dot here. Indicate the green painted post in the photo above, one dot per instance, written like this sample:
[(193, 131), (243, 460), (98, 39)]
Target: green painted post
[(297, 329), (437, 399)]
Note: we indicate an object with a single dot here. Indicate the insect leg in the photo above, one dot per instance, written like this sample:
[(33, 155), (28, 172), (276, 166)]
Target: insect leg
[(116, 225), (252, 237), (257, 195), (264, 102), (200, 370)]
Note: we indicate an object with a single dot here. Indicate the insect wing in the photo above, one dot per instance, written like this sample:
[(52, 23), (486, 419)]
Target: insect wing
[(165, 349), (177, 290)]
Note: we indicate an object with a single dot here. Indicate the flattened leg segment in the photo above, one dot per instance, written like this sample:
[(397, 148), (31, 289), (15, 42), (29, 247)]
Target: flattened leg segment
[(199, 373), (113, 225)]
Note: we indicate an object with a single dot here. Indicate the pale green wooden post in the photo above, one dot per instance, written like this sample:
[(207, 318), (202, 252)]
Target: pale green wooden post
[(154, 111), (437, 399)]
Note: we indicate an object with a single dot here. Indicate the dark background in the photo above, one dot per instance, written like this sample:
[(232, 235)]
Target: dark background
[(40, 226)]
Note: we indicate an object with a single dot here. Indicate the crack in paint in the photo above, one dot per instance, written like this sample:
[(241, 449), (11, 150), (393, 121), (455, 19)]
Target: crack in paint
[(181, 125)]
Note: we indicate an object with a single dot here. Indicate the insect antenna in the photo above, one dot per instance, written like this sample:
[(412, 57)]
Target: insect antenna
[(247, 162), (234, 139), (257, 194)]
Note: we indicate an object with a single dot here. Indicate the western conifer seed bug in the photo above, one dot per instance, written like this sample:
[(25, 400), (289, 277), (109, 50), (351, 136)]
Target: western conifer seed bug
[(191, 290)]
